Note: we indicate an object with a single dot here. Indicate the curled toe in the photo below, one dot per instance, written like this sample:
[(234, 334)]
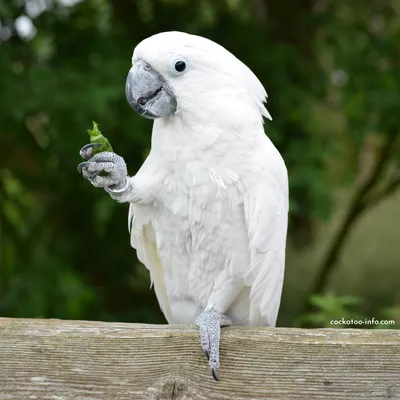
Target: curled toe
[(86, 151)]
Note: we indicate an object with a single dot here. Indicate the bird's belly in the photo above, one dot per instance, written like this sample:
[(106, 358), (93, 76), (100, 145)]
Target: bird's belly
[(191, 258), (184, 311), (197, 237)]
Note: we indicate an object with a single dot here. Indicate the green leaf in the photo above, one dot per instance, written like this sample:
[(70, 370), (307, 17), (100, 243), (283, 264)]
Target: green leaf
[(97, 137)]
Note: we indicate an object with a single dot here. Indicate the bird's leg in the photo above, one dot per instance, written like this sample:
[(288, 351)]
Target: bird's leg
[(108, 170), (114, 167), (210, 322)]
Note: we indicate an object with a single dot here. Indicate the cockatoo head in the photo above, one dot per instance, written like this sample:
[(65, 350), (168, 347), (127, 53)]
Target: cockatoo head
[(176, 73)]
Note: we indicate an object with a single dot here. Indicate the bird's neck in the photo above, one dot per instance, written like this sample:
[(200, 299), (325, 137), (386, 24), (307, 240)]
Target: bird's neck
[(185, 133)]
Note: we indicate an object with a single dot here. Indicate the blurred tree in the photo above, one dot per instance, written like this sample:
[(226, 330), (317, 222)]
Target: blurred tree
[(362, 44)]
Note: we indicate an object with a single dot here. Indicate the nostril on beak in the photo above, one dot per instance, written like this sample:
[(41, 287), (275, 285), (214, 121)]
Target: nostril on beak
[(142, 101)]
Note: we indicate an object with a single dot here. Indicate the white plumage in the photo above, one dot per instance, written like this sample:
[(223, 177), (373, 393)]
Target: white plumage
[(212, 227)]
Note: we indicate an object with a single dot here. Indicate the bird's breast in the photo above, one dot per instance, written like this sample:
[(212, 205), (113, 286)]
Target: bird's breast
[(197, 215)]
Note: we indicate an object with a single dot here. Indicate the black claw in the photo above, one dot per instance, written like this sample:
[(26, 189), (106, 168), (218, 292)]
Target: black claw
[(81, 165), (214, 374), (207, 353), (86, 151)]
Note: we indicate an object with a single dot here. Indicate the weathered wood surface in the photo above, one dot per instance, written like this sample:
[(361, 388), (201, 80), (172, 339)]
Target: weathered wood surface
[(62, 360)]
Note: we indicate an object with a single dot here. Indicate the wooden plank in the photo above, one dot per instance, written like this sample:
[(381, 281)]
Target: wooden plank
[(62, 360)]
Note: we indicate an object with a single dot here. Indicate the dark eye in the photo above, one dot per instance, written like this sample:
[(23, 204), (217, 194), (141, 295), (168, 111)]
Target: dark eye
[(180, 66)]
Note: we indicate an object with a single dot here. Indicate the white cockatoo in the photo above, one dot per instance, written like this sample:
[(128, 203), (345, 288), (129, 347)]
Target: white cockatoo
[(209, 206)]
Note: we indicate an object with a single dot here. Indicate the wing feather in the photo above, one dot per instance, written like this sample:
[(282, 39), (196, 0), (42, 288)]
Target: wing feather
[(266, 215), (144, 241)]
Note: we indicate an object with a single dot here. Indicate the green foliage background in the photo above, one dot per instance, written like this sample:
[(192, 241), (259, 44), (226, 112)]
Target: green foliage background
[(331, 69)]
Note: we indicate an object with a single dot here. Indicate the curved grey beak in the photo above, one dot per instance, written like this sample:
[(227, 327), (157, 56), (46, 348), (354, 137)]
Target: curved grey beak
[(148, 93)]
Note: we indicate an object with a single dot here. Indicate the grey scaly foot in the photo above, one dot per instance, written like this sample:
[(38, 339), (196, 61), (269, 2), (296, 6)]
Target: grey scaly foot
[(112, 164), (210, 322)]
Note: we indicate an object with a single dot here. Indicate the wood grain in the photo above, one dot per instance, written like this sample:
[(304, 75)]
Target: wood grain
[(62, 360)]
